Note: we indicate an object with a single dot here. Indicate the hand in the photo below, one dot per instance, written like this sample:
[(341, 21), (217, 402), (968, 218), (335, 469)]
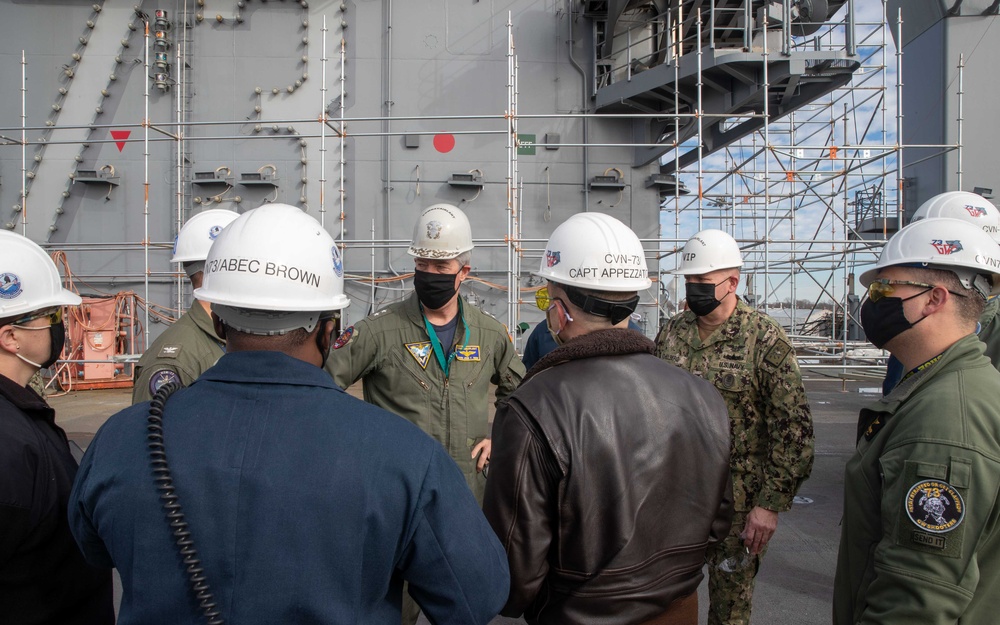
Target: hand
[(482, 449), (759, 529)]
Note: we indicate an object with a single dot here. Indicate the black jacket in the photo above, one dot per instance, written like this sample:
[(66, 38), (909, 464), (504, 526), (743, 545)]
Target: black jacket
[(609, 479), (43, 577)]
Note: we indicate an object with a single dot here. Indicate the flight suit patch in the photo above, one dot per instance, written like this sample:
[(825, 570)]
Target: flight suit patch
[(421, 352), (344, 338), (776, 355), (162, 377), (932, 513), (467, 353), (935, 506), (169, 351)]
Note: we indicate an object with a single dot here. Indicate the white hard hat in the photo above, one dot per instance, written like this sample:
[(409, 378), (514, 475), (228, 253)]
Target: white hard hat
[(707, 251), (274, 258), (595, 251), (29, 280), (198, 233), (442, 232), (963, 205), (949, 244)]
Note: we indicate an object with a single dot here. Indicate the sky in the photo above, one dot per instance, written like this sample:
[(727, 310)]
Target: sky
[(810, 209)]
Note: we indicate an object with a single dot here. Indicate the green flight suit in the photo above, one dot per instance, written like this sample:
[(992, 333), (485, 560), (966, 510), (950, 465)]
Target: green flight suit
[(919, 540), (751, 362), (391, 352), (181, 354)]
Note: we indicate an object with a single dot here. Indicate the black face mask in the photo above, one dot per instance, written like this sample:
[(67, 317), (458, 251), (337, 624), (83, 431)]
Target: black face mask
[(57, 337), (701, 297), (884, 320), (434, 290), (57, 334)]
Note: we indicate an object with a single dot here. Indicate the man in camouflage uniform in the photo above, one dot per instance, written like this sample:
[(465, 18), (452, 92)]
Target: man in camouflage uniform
[(190, 346), (431, 358), (748, 358)]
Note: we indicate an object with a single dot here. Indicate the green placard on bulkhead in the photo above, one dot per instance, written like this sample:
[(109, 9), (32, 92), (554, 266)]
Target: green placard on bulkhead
[(525, 145)]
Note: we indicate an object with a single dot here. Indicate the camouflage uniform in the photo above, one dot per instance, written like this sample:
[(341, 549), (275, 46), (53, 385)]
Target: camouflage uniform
[(181, 354), (37, 384), (750, 360)]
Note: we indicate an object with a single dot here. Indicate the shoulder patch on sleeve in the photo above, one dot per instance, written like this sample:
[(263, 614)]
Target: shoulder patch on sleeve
[(935, 510), (161, 377), (344, 338), (777, 354), (169, 351)]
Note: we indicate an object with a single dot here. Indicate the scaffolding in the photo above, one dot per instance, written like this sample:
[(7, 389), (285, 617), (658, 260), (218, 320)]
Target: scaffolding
[(811, 196), (811, 199)]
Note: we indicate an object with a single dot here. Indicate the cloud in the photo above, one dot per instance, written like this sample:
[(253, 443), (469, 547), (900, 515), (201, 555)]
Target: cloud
[(788, 205)]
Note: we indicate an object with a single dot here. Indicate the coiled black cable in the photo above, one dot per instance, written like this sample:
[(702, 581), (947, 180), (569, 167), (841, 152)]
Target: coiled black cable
[(175, 516)]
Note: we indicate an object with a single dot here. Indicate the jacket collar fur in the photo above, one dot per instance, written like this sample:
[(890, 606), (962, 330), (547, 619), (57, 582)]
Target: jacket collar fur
[(610, 342)]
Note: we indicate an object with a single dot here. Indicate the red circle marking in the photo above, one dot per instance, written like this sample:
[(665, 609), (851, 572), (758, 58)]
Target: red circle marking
[(444, 143)]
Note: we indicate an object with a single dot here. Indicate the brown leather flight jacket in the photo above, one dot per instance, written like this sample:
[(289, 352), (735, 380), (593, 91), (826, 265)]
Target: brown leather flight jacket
[(609, 479)]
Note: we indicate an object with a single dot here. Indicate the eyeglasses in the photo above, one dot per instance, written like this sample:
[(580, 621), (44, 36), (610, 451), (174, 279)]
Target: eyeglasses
[(54, 315), (542, 299), (885, 287)]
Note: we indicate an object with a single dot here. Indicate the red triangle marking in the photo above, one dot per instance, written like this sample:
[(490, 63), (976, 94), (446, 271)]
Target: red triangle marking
[(120, 136)]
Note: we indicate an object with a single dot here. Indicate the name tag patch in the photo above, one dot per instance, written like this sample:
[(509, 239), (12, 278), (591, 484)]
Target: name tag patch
[(928, 540), (421, 352), (467, 353)]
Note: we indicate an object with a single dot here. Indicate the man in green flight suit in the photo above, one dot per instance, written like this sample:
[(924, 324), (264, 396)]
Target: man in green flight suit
[(190, 345), (980, 212), (431, 357), (919, 540), (747, 356)]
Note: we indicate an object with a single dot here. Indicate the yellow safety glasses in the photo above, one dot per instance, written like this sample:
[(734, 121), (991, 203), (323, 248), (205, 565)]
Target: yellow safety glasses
[(542, 299), (55, 316), (885, 287)]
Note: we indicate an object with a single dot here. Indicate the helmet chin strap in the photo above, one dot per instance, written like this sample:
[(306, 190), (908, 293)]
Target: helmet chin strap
[(617, 311)]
